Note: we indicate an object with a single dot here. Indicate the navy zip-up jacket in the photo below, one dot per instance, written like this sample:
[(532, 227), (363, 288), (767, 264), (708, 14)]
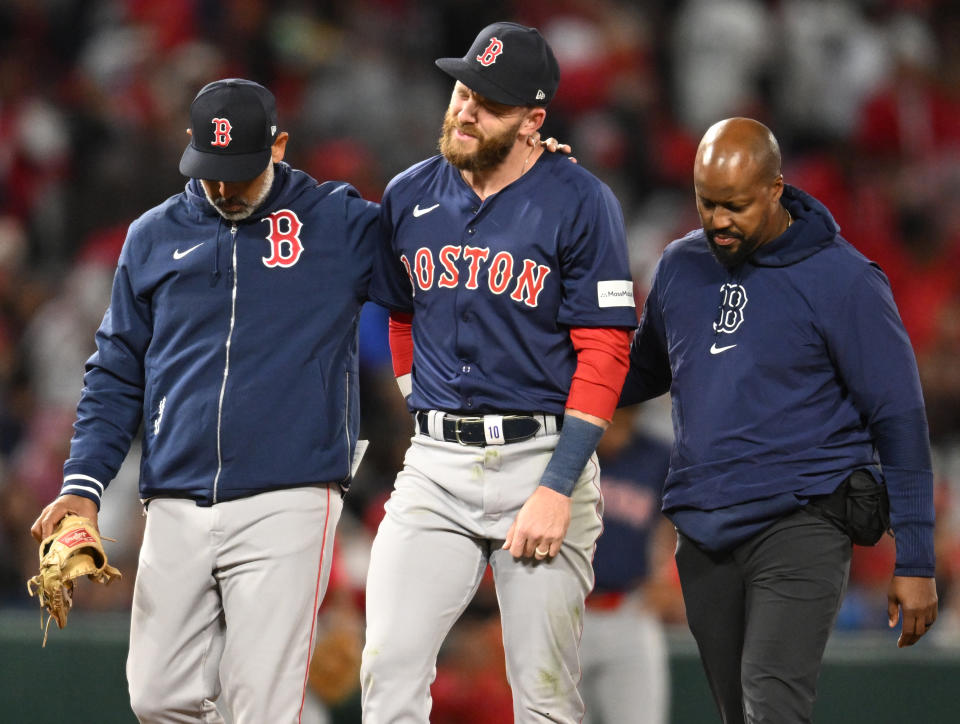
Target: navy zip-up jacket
[(235, 343), (786, 374)]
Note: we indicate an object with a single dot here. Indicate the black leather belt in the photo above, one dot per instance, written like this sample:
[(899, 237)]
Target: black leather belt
[(471, 430)]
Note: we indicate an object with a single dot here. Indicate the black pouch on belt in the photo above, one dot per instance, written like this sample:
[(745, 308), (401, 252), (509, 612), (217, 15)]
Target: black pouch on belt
[(859, 507)]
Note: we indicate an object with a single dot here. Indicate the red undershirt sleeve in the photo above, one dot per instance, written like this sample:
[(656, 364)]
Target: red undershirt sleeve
[(603, 357), (400, 335)]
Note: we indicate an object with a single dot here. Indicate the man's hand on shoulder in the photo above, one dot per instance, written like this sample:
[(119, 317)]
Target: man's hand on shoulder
[(551, 144), (917, 598)]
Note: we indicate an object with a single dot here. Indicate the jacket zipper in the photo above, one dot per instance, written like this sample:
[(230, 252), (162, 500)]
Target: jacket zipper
[(346, 427), (226, 364)]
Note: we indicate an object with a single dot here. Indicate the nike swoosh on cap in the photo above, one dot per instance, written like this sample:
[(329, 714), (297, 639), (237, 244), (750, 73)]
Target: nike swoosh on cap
[(714, 349), (180, 254), (417, 211)]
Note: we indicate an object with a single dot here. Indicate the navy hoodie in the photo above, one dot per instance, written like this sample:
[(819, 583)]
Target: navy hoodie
[(235, 344), (786, 374)]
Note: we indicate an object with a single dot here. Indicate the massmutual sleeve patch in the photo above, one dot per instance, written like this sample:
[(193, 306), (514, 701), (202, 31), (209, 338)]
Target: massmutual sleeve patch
[(615, 293)]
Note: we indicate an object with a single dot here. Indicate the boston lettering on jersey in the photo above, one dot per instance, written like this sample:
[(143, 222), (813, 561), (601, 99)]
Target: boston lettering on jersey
[(545, 254), (525, 280)]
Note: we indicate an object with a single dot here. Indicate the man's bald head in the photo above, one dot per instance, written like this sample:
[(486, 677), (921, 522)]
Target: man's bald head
[(738, 184), (739, 146)]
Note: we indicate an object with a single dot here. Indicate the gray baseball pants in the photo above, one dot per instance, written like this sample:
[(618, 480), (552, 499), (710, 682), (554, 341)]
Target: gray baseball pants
[(445, 521), (226, 601), (626, 667)]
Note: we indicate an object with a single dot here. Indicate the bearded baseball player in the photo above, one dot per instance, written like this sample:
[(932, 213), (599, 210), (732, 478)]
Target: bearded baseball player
[(231, 336), (506, 270)]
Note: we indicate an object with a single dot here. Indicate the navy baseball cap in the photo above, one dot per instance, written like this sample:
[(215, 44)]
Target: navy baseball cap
[(508, 63), (233, 124)]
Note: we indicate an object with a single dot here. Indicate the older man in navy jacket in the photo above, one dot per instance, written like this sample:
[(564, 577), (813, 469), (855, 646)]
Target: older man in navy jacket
[(232, 337)]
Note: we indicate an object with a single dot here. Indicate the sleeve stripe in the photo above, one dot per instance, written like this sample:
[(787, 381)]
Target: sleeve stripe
[(86, 489), (88, 478)]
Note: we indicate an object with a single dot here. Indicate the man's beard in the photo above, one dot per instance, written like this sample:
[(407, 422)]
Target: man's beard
[(248, 206), (490, 150), (732, 258)]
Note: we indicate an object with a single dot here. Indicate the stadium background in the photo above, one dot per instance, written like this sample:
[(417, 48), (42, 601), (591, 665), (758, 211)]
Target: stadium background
[(864, 96)]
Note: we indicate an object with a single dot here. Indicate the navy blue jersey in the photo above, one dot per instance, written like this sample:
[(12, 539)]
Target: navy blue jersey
[(235, 344), (495, 285), (631, 480), (786, 374)]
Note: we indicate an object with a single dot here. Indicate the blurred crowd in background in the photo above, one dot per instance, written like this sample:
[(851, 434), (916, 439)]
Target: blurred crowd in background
[(863, 95)]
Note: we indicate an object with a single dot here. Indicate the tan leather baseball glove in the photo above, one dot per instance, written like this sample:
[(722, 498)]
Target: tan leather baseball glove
[(335, 667), (72, 550)]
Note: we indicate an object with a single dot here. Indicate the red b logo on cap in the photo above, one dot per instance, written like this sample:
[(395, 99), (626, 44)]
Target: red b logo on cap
[(489, 56), (221, 132)]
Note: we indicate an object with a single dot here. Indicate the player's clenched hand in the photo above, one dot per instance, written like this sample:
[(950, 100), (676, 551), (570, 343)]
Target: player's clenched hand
[(541, 524), (917, 598), (51, 515)]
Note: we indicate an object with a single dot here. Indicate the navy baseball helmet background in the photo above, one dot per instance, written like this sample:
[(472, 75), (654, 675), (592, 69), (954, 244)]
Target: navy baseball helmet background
[(233, 124), (508, 63)]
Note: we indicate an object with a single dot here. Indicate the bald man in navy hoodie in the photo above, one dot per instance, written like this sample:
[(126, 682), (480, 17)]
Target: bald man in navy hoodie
[(798, 415)]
